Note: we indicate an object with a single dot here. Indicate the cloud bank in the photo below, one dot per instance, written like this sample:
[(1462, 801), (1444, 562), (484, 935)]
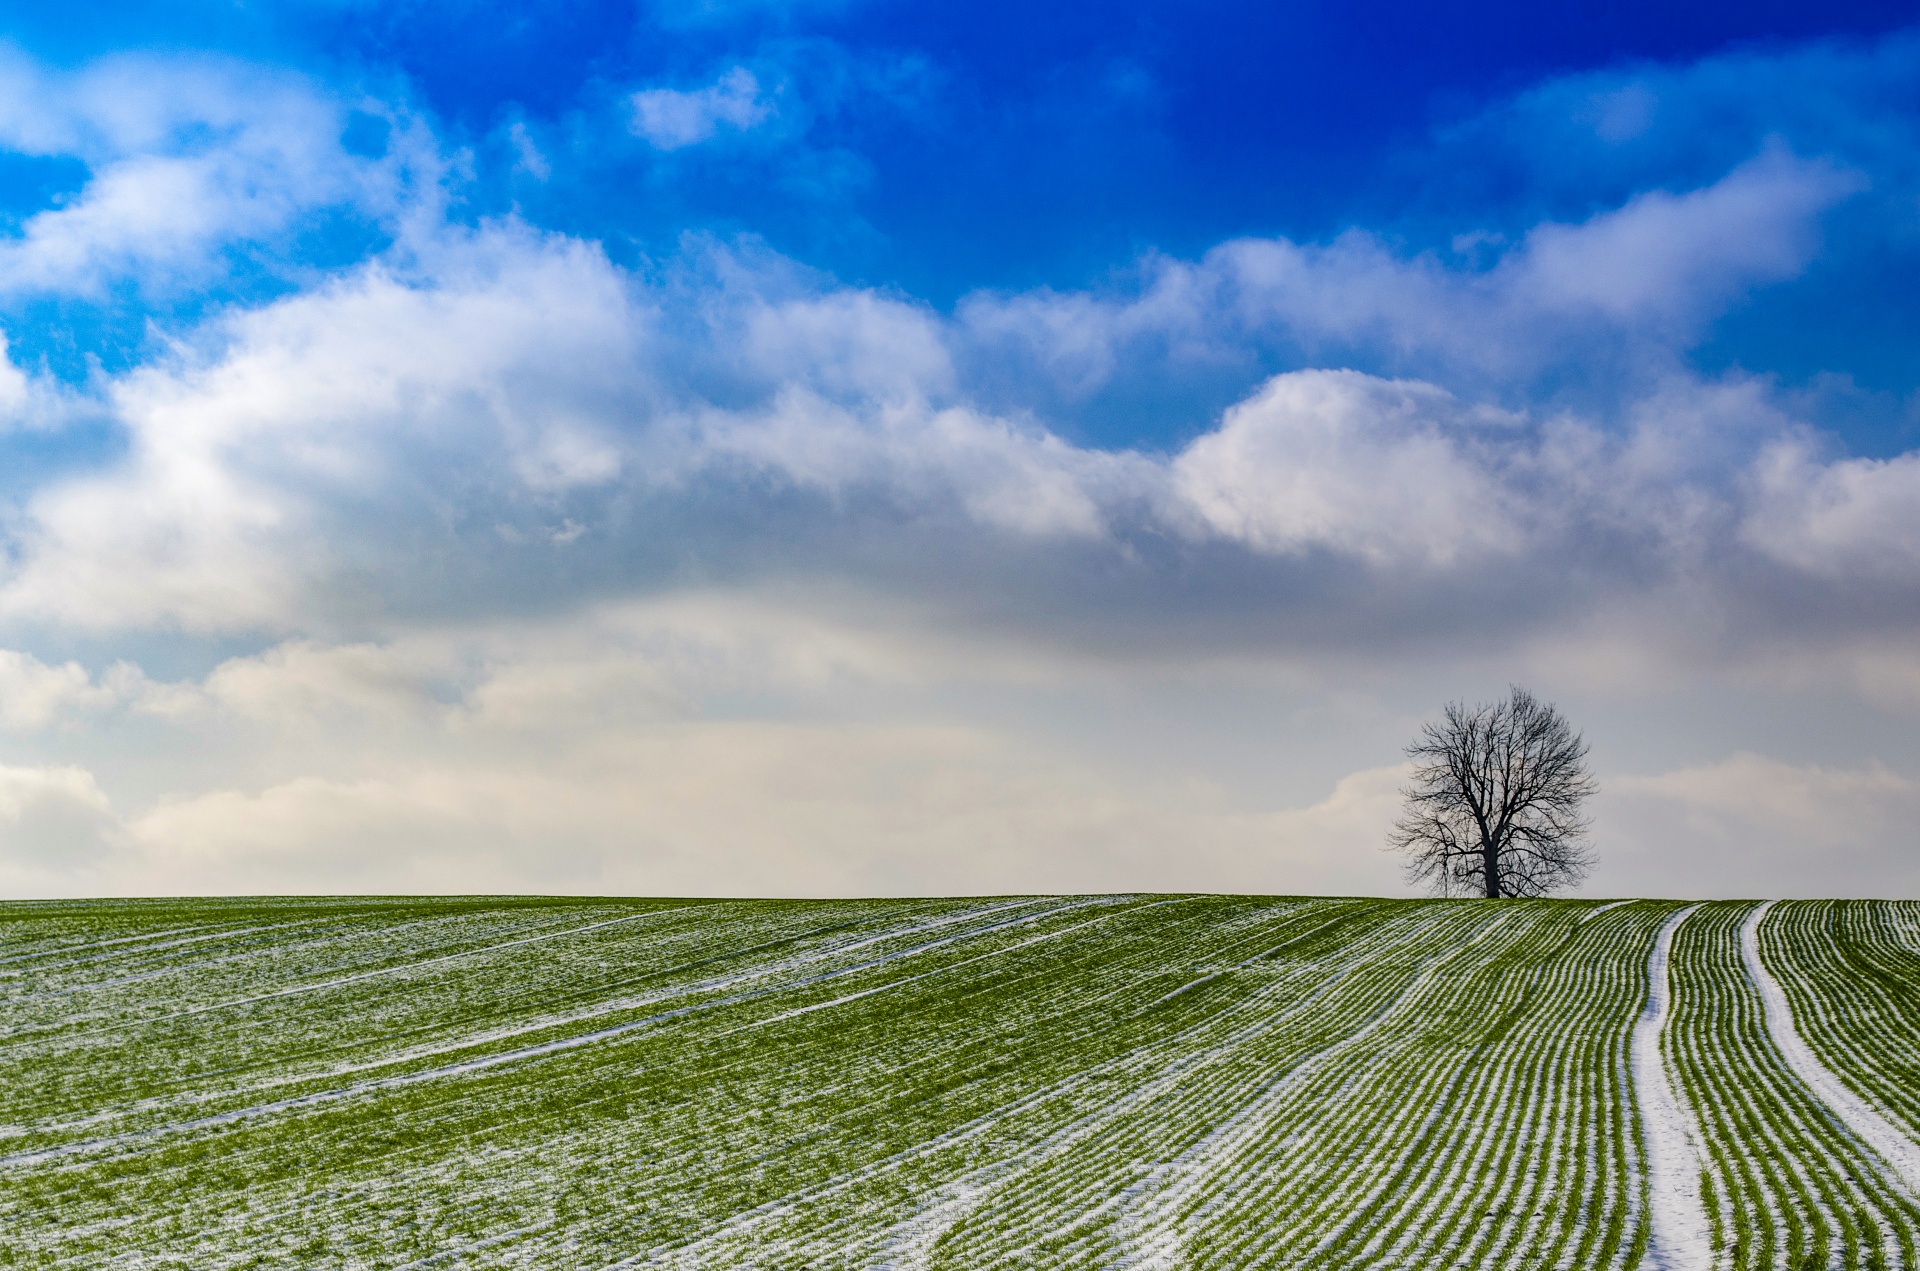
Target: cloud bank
[(485, 555)]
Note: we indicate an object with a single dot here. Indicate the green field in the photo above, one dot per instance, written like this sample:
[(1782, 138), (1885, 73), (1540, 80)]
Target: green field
[(1091, 1081)]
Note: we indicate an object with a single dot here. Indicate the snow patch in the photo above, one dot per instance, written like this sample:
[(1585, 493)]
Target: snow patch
[(1681, 1240)]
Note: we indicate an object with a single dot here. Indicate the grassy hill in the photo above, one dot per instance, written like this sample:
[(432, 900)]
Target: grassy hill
[(1078, 1081)]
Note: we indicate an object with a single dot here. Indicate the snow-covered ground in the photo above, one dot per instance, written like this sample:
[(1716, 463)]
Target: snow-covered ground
[(1092, 1081), (1678, 1239)]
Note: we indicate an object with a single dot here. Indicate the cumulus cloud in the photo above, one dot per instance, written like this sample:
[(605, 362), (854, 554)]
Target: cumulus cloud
[(509, 398), (301, 417), (672, 119), (500, 387), (57, 829), (187, 160), (1670, 260), (998, 473), (34, 695), (438, 497), (846, 344), (1347, 463), (1844, 518)]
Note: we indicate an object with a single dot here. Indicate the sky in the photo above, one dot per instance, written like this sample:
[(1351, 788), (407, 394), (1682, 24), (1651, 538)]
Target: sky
[(848, 447)]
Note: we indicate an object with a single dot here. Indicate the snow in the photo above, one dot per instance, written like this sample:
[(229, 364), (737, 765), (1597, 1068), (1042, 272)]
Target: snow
[(544, 1049), (1867, 1124), (1680, 1238), (1071, 1082)]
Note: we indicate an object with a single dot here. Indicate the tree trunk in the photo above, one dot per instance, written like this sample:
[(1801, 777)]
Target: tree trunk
[(1490, 869)]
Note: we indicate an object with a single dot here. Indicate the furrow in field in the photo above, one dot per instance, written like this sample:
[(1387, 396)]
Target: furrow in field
[(1158, 1233), (1851, 979), (1786, 1184), (412, 966), (1213, 1083), (1873, 1129), (1488, 1193), (274, 1037), (512, 1056), (197, 968), (1119, 1076), (1078, 1204), (1169, 1093), (1493, 1128), (892, 985), (1679, 1238), (595, 1003), (147, 939), (1495, 1200), (134, 999), (764, 1238), (241, 1164), (1095, 1217)]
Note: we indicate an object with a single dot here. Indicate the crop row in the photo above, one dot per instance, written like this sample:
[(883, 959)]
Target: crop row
[(1786, 1184), (1852, 972), (1144, 1081)]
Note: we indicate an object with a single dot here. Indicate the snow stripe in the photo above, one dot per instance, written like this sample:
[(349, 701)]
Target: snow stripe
[(1680, 1239), (486, 1062), (1865, 1121)]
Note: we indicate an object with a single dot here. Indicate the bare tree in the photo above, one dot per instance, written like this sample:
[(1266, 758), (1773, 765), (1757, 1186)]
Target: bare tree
[(1495, 804)]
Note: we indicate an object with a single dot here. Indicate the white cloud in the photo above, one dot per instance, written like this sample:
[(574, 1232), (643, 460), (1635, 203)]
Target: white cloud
[(847, 344), (1003, 476), (303, 683), (285, 469), (510, 380), (1347, 463), (187, 159), (1753, 825), (672, 119), (766, 808), (1670, 260), (56, 830), (34, 695), (527, 155), (507, 370), (1856, 518), (1634, 282), (1073, 337), (465, 487)]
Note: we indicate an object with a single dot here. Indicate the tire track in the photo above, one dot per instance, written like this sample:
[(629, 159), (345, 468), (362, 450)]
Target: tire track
[(523, 1053), (1680, 1239), (1898, 1151)]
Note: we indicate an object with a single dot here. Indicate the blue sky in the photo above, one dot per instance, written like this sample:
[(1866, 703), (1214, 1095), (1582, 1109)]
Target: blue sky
[(870, 447)]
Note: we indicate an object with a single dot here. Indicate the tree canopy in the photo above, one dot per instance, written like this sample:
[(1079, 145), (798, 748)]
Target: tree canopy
[(1495, 806)]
